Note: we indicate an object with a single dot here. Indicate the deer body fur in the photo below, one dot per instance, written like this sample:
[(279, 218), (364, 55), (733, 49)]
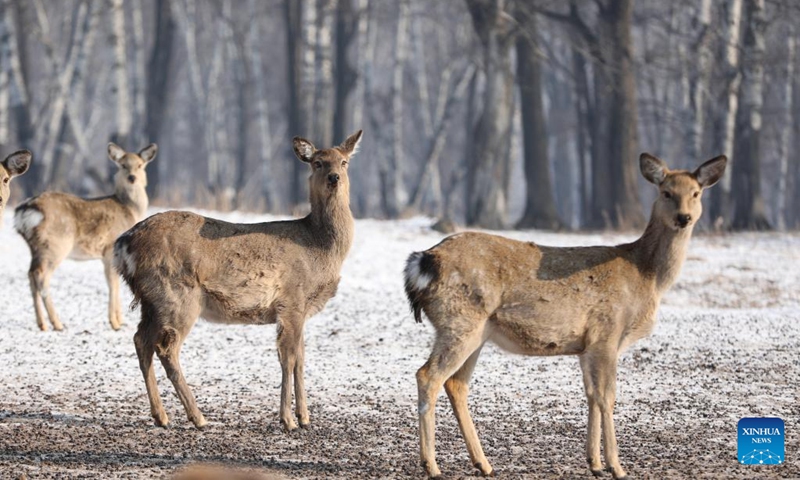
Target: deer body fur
[(182, 266), (536, 300), (58, 226)]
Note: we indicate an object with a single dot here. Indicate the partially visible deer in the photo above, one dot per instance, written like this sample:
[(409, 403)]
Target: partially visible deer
[(14, 165), (59, 225), (536, 300), (181, 266)]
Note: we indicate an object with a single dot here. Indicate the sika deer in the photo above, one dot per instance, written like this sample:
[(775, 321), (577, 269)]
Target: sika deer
[(180, 266), (59, 225), (536, 300), (14, 165)]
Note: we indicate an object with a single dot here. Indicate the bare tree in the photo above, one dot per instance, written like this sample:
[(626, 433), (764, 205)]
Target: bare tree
[(749, 207), (488, 153), (540, 207)]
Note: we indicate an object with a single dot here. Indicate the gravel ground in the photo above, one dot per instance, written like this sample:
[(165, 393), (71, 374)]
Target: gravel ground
[(73, 404)]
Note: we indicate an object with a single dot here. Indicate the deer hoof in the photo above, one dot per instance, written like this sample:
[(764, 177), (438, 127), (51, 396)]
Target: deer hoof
[(597, 473), (289, 425), (479, 466)]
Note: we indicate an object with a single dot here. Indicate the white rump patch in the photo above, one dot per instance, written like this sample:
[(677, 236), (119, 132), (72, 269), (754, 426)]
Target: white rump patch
[(414, 277), (26, 220), (123, 261)]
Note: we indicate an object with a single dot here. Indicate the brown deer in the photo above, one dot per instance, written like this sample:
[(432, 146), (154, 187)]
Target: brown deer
[(181, 266), (59, 225), (14, 165), (536, 300)]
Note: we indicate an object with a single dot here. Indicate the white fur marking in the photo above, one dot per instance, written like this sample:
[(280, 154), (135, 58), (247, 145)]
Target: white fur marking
[(26, 220), (414, 276), (124, 261)]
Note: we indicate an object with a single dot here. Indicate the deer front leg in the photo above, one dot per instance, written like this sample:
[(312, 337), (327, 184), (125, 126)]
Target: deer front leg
[(301, 408), (43, 279), (593, 429), (604, 371), (114, 310), (290, 336), (34, 279)]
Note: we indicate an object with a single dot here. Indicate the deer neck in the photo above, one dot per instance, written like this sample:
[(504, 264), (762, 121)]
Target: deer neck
[(331, 223), (134, 198), (661, 251)]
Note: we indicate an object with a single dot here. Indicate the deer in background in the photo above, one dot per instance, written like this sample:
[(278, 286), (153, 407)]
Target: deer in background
[(181, 266), (535, 300), (59, 225), (14, 165)]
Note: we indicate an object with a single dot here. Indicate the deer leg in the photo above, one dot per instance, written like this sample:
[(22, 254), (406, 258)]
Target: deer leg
[(593, 430), (145, 351), (604, 371), (114, 310), (44, 291), (450, 351), (301, 409), (168, 350), (35, 278), (457, 388), (290, 336)]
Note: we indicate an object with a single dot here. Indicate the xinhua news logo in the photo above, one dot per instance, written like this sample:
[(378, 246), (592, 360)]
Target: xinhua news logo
[(761, 441)]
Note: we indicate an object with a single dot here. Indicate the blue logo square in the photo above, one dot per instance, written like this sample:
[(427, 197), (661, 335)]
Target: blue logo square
[(761, 441)]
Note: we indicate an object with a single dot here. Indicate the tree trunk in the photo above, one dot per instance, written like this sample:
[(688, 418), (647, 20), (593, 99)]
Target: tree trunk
[(699, 82), (749, 207), (392, 174), (540, 207), (622, 124), (488, 157), (719, 211), (786, 130), (324, 96), (344, 72), (158, 76), (120, 72), (139, 77)]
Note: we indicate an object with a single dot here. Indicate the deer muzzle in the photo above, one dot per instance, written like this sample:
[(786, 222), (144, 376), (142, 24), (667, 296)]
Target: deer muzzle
[(333, 179), (682, 220)]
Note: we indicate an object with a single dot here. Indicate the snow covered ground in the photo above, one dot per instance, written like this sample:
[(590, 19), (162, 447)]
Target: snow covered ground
[(73, 404)]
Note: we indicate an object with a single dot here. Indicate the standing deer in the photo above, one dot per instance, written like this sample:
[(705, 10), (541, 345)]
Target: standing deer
[(14, 165), (181, 266), (59, 225), (536, 300)]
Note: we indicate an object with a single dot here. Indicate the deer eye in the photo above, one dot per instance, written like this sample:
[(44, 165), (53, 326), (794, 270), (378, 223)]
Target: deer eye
[(667, 194), (696, 194), (344, 163), (317, 164), (5, 180)]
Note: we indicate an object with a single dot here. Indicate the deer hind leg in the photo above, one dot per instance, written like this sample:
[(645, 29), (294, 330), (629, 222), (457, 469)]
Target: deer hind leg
[(114, 309), (301, 408), (41, 273), (593, 430), (450, 351), (171, 330), (603, 368), (457, 388), (35, 277), (290, 355), (145, 351)]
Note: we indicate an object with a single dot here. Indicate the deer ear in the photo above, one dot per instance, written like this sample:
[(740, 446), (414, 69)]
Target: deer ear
[(303, 149), (653, 168), (350, 146), (148, 153), (18, 162), (115, 152), (710, 172)]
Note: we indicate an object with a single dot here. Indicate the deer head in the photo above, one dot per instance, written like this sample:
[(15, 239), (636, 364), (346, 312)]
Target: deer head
[(679, 205), (131, 166), (15, 164), (328, 180)]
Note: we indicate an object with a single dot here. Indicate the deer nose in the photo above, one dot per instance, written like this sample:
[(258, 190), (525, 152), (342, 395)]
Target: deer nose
[(131, 178), (333, 178), (683, 220)]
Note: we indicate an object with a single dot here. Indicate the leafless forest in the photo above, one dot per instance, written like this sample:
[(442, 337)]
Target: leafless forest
[(492, 113)]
